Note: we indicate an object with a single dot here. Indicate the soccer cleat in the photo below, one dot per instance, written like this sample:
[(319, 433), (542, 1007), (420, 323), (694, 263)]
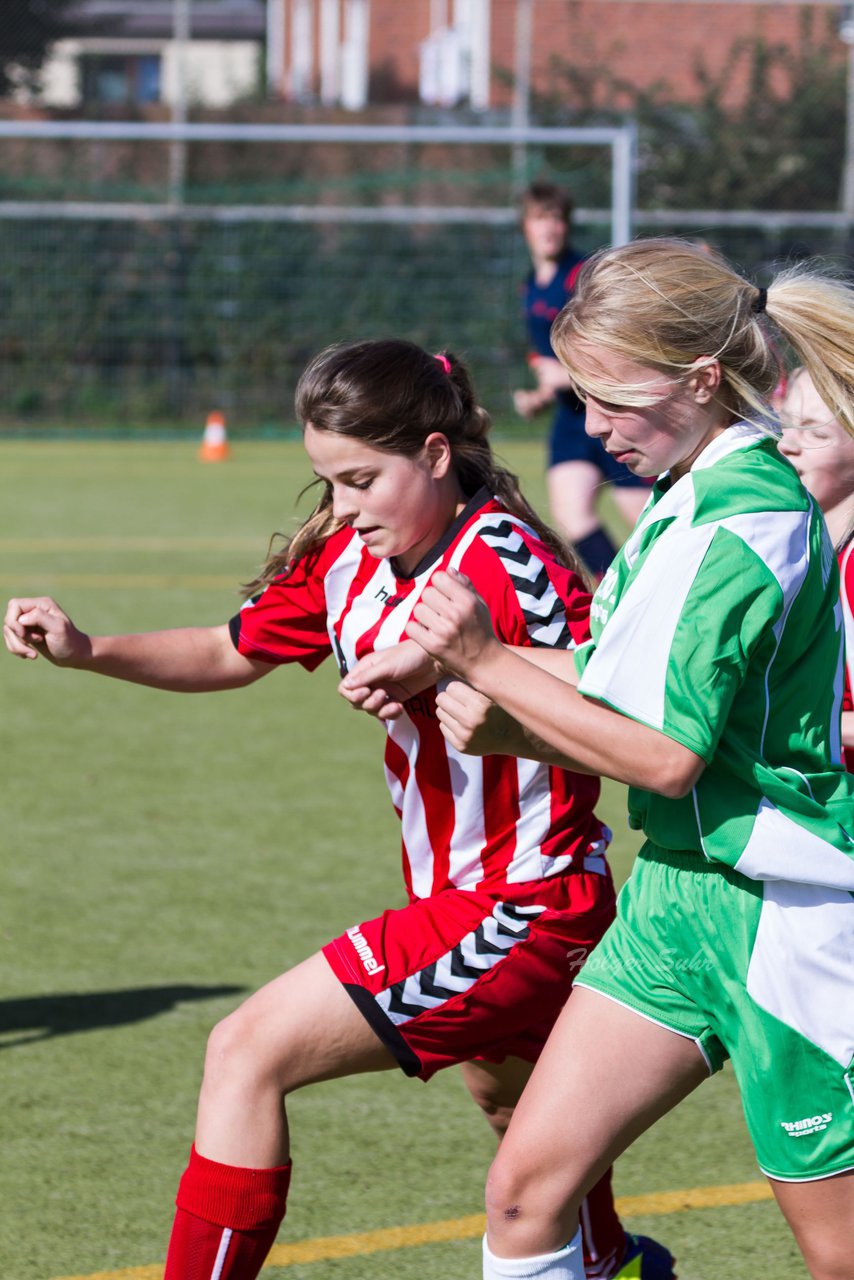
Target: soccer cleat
[(645, 1259)]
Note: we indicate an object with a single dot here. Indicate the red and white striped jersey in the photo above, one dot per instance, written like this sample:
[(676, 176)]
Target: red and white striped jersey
[(846, 585), (470, 822)]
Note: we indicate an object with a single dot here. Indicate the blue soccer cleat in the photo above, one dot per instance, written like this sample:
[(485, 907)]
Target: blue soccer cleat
[(645, 1259)]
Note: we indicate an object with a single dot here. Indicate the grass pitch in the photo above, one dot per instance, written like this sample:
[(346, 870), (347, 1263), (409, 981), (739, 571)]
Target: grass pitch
[(165, 855)]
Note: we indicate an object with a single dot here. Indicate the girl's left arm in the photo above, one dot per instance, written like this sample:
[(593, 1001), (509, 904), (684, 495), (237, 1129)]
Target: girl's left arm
[(452, 624)]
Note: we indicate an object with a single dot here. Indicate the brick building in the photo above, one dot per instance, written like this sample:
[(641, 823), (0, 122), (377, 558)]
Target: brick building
[(470, 52)]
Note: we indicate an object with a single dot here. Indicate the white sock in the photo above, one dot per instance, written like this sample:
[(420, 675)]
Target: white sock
[(566, 1264)]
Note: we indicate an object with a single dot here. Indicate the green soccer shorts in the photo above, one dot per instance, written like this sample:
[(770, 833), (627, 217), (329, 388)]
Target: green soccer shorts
[(761, 972)]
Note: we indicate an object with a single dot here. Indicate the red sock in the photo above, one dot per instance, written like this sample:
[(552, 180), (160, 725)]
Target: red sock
[(601, 1231), (227, 1220)]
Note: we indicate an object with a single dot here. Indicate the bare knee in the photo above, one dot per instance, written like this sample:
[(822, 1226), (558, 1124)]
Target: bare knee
[(529, 1210), (236, 1053), (824, 1265), (519, 1178), (508, 1185), (828, 1257), (821, 1215)]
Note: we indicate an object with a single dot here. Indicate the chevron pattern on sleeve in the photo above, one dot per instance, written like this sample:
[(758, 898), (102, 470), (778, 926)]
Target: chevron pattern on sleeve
[(542, 607)]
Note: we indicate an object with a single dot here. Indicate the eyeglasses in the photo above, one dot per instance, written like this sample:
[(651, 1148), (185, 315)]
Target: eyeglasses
[(817, 435), (811, 435)]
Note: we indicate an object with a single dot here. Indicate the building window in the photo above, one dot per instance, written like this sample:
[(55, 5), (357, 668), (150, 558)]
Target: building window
[(455, 57), (120, 79)]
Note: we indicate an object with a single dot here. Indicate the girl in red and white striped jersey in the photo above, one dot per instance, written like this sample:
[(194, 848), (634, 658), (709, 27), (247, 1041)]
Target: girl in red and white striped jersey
[(504, 859), (822, 453)]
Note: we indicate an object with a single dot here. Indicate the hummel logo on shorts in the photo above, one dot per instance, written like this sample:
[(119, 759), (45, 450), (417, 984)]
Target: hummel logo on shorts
[(363, 951)]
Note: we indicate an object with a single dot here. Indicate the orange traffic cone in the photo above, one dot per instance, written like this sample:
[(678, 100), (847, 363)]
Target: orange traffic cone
[(215, 441)]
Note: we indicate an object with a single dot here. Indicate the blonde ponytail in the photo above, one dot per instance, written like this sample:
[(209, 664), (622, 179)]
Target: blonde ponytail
[(815, 314)]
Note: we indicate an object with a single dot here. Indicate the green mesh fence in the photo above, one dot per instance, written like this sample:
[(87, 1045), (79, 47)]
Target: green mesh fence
[(150, 319), (142, 318), (121, 322)]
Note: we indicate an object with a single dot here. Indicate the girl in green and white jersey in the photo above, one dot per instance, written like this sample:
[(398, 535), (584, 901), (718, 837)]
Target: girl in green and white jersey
[(712, 686)]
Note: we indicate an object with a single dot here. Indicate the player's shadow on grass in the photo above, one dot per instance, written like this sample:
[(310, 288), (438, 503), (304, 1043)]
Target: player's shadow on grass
[(43, 1017)]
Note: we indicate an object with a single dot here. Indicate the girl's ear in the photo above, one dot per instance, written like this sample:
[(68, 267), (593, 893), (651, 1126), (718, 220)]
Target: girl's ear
[(705, 379), (437, 451)]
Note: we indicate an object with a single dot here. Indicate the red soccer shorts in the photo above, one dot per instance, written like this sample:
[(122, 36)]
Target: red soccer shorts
[(463, 975)]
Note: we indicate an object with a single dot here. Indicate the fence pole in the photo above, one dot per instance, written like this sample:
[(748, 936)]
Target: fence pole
[(623, 170), (178, 147), (846, 33), (521, 109)]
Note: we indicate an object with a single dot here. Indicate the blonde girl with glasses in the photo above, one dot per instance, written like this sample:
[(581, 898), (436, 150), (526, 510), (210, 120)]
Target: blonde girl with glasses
[(822, 452)]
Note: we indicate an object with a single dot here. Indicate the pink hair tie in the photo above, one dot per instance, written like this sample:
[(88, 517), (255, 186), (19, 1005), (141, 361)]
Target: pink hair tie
[(444, 362)]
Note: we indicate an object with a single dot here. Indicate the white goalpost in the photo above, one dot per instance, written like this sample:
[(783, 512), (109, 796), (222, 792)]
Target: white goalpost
[(619, 141)]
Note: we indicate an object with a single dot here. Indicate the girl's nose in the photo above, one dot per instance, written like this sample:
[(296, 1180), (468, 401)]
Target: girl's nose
[(343, 506), (594, 422)]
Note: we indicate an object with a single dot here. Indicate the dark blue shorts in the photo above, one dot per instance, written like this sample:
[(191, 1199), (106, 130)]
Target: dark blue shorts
[(569, 442)]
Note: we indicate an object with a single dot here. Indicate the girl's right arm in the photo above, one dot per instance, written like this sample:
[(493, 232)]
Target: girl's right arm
[(382, 681), (189, 660), (453, 625)]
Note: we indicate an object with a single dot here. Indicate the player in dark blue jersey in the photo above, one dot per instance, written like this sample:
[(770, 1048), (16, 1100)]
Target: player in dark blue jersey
[(578, 466)]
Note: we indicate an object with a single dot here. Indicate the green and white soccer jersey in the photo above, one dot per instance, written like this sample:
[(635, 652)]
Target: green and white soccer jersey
[(719, 624)]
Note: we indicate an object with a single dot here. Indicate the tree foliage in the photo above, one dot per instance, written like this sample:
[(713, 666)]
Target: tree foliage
[(765, 132), (27, 29)]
